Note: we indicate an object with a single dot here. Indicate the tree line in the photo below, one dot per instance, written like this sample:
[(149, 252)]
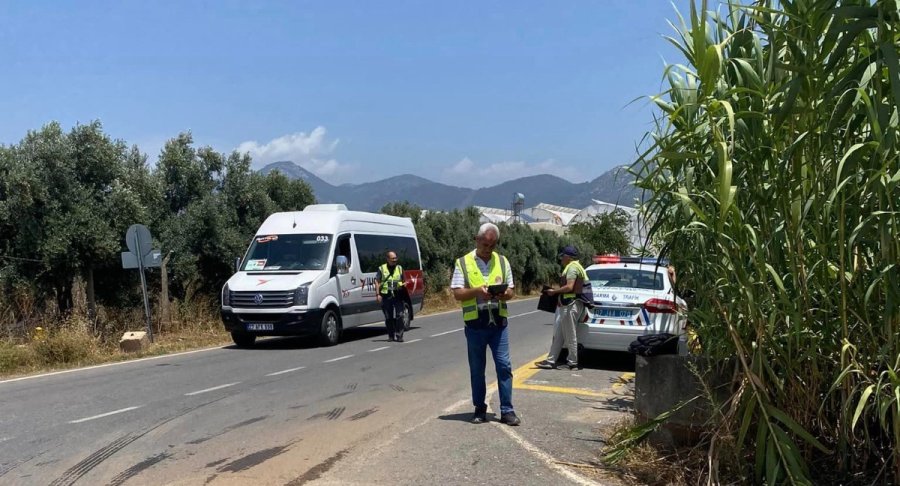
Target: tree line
[(68, 197)]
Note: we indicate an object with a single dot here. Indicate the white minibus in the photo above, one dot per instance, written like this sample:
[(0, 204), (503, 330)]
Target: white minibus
[(312, 272)]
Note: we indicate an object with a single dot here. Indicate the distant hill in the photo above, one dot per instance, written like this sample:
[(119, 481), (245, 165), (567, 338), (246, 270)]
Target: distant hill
[(614, 186)]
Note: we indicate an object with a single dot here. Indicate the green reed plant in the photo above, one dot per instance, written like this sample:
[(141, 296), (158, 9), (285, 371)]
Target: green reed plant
[(774, 183)]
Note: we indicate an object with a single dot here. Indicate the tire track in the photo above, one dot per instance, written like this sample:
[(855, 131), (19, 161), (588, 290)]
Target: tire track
[(363, 414), (138, 468), (85, 466), (332, 414)]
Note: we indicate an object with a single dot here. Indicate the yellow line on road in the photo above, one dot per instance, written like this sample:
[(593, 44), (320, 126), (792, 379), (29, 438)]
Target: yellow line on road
[(562, 389), (524, 372)]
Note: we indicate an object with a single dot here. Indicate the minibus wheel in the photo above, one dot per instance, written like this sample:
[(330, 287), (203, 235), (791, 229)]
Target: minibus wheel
[(330, 332), (243, 339)]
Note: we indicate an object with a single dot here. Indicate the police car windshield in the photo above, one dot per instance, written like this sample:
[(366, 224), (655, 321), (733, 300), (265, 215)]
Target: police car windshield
[(287, 252), (626, 278)]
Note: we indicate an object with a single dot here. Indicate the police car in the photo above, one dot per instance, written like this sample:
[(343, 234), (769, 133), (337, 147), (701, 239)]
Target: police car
[(632, 296)]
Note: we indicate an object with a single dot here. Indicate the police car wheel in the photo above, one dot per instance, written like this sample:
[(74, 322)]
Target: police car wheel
[(330, 332), (407, 313), (242, 339)]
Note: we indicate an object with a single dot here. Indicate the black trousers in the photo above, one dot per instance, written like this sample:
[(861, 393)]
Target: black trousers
[(393, 310)]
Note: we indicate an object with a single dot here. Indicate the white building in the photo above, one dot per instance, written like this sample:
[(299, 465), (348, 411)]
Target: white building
[(494, 215), (637, 230), (548, 213)]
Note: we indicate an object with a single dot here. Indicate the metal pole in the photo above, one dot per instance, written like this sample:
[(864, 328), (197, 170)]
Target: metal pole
[(143, 284)]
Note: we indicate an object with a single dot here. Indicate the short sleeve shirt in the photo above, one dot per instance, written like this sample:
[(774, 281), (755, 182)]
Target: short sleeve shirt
[(458, 282)]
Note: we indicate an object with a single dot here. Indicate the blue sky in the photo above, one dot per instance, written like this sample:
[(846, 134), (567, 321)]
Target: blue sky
[(467, 93)]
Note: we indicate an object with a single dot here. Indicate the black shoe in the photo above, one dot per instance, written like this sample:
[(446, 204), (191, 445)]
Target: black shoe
[(573, 366), (480, 416), (399, 340), (546, 365), (390, 338), (510, 419)]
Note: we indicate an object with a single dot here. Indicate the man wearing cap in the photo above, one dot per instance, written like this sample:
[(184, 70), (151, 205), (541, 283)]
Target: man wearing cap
[(569, 312)]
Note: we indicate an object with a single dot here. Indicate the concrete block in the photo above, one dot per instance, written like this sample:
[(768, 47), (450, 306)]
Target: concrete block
[(134, 341), (662, 382)]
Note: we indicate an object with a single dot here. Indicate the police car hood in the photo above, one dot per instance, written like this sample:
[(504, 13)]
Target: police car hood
[(267, 281)]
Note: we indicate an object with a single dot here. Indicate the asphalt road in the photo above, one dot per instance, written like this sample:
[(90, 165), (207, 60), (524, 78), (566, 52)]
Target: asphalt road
[(284, 412)]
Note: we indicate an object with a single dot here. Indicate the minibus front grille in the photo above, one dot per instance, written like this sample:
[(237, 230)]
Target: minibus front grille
[(263, 300)]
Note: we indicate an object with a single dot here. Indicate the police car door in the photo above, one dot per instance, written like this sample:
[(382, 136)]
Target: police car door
[(349, 294)]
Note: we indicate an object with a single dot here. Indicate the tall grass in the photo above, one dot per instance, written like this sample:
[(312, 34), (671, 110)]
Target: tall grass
[(775, 187)]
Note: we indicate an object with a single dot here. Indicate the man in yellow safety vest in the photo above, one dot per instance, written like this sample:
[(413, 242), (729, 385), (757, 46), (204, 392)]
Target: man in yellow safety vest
[(570, 310), (390, 284), (482, 282)]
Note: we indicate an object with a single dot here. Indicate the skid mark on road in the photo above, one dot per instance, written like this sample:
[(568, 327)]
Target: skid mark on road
[(254, 459), (138, 468), (228, 429), (363, 414), (319, 469), (332, 414), (77, 471)]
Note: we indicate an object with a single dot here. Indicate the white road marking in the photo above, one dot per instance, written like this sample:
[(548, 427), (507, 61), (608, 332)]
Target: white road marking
[(4, 439), (377, 349), (107, 414), (118, 363), (525, 314), (447, 332), (456, 406), (338, 359), (211, 389), (547, 459), (286, 371), (413, 341)]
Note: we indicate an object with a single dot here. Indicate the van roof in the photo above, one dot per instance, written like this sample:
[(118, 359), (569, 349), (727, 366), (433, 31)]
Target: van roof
[(332, 219)]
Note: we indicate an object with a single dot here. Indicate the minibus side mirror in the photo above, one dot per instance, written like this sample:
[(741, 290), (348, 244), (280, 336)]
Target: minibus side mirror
[(342, 264), (237, 264)]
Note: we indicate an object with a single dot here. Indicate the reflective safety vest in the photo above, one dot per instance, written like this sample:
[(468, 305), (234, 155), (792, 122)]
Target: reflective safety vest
[(582, 275), (390, 282), (473, 278)]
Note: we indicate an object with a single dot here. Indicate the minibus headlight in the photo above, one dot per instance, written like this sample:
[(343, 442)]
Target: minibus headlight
[(226, 296), (301, 294)]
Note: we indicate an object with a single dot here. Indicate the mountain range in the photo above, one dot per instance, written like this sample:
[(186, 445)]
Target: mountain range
[(614, 186)]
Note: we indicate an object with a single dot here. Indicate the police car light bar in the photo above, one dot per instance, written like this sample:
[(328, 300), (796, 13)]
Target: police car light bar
[(631, 259)]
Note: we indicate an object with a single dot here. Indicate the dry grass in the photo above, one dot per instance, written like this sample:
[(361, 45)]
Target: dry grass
[(648, 465)]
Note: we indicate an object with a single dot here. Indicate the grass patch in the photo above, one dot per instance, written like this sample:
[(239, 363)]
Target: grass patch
[(641, 463)]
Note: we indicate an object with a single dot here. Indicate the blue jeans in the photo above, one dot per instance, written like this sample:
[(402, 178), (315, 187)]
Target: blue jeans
[(478, 340)]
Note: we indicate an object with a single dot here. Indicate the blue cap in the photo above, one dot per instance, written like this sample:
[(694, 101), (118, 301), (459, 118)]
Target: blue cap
[(569, 251)]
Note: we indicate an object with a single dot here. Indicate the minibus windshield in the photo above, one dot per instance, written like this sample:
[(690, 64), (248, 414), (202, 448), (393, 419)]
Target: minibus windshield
[(287, 252)]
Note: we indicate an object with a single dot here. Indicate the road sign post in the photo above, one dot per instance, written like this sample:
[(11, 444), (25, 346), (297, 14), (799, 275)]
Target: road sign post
[(141, 255)]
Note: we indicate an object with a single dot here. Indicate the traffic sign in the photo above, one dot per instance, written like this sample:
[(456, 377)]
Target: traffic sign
[(138, 239)]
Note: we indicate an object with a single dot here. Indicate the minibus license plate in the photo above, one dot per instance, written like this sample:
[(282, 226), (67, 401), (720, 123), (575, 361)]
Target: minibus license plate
[(260, 326)]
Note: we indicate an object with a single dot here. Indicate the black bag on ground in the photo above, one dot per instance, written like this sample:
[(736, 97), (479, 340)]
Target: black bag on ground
[(654, 344)]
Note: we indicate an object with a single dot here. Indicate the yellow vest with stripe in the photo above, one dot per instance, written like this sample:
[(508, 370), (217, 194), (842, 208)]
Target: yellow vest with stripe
[(387, 277), (582, 274), (473, 278)]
